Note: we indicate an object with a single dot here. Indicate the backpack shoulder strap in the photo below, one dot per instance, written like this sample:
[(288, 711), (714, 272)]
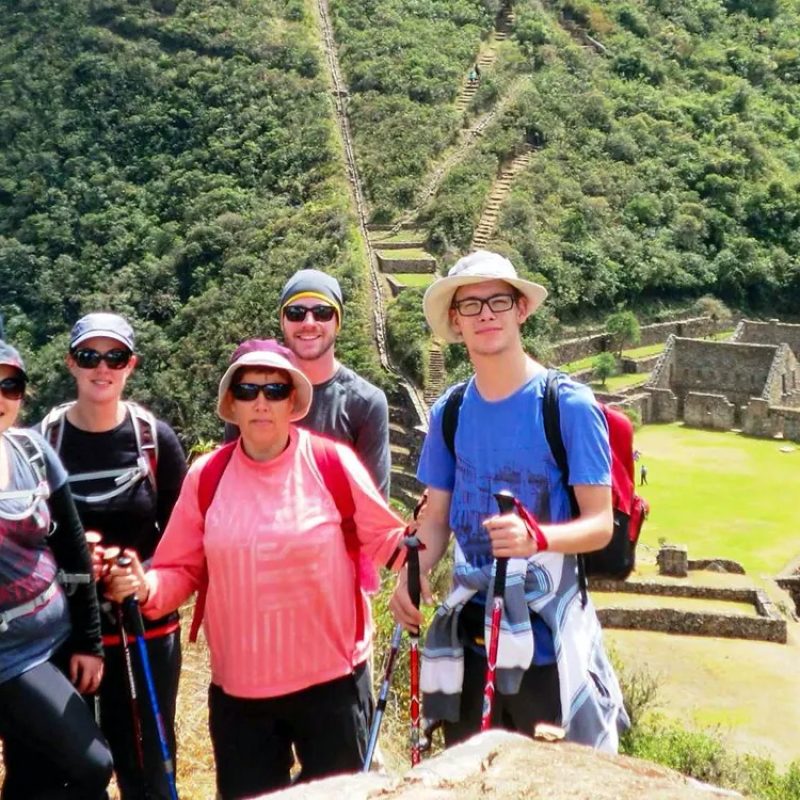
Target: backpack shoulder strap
[(551, 416), (52, 426), (145, 431), (333, 474), (452, 409), (27, 444), (207, 484), (332, 471)]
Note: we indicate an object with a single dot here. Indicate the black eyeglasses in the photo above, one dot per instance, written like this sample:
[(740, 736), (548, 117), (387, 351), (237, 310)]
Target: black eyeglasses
[(274, 392), (472, 306), (320, 313), (12, 388), (87, 358)]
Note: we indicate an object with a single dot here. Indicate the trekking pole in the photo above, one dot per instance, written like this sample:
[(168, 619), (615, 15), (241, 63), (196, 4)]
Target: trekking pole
[(131, 606), (505, 502), (414, 590), (391, 658), (383, 696), (133, 693)]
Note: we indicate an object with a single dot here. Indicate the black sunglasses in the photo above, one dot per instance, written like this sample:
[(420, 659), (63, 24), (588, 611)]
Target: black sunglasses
[(87, 358), (273, 392), (320, 313), (12, 388)]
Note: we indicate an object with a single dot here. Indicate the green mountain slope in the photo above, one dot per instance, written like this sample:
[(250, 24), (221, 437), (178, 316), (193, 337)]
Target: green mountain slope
[(174, 161)]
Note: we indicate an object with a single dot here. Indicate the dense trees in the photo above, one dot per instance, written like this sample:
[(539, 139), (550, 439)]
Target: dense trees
[(174, 162)]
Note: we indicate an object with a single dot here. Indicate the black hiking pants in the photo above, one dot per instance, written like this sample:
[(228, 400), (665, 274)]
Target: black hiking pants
[(116, 715), (52, 747), (328, 724)]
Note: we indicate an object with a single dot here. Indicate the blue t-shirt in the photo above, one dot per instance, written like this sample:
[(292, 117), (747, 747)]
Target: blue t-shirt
[(502, 445)]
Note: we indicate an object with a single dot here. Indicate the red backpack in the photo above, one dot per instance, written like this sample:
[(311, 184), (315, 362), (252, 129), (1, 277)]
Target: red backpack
[(618, 558), (333, 474)]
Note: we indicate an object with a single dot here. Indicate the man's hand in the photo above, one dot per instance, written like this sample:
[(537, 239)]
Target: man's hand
[(510, 536), (86, 672), (123, 582), (401, 606)]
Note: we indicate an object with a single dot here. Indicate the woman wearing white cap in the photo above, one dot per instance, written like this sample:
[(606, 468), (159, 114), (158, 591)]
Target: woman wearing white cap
[(125, 470), (287, 622), (49, 636)]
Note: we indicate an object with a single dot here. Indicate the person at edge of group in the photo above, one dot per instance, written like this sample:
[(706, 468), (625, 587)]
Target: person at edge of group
[(125, 470), (50, 649), (288, 668), (346, 406), (500, 445)]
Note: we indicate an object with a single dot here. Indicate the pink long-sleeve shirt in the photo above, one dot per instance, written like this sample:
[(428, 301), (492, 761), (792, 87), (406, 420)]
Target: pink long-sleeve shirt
[(281, 607)]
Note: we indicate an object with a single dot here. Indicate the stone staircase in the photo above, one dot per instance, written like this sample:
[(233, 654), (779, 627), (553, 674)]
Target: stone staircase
[(405, 442), (503, 26), (435, 373), (491, 211)]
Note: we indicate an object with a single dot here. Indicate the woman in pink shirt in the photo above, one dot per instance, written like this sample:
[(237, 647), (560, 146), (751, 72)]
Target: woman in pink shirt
[(288, 627)]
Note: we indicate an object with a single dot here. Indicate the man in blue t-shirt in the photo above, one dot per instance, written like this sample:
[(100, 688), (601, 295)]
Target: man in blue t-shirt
[(500, 444)]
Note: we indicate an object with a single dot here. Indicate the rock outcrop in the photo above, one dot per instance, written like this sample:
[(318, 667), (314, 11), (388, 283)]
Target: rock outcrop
[(507, 766)]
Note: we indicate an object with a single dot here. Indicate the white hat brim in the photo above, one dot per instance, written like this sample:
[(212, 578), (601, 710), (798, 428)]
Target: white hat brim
[(439, 297), (303, 390)]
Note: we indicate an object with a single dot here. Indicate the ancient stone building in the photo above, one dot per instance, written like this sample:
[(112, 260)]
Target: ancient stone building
[(752, 382)]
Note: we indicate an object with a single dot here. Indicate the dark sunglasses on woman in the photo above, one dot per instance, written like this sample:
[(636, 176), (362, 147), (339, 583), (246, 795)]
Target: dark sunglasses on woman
[(87, 358), (12, 388), (295, 313), (274, 392)]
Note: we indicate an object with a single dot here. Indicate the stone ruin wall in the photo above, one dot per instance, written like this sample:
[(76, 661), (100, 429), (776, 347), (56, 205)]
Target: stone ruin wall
[(584, 346), (737, 371), (713, 411), (772, 332)]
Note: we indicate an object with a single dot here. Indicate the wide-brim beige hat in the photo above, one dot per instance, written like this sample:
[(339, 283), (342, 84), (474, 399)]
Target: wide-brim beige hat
[(267, 355), (477, 267)]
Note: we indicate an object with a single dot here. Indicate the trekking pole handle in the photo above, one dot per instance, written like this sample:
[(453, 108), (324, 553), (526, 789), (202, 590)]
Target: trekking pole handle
[(506, 504), (414, 584)]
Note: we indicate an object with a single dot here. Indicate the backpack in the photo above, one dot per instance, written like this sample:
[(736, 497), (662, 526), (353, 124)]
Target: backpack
[(144, 429), (618, 558), (367, 579)]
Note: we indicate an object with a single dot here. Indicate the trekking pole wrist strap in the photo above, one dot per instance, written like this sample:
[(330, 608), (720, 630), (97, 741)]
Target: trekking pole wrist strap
[(534, 530)]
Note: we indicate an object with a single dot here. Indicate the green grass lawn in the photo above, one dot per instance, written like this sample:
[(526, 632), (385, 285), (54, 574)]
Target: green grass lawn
[(414, 278), (622, 381), (406, 253), (722, 494), (404, 235)]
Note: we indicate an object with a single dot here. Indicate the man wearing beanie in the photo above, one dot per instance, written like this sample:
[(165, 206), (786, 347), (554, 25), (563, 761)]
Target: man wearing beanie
[(345, 406)]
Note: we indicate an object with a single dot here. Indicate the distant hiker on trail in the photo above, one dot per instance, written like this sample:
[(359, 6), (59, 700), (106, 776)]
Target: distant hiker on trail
[(643, 475), (500, 444), (280, 532), (472, 77), (50, 646), (346, 406), (125, 470)]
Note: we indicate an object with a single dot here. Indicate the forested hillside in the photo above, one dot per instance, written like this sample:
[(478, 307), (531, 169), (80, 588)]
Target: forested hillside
[(174, 161), (666, 146)]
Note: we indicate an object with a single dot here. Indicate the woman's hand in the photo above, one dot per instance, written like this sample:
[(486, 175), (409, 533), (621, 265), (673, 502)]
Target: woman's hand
[(401, 606), (86, 672), (124, 582)]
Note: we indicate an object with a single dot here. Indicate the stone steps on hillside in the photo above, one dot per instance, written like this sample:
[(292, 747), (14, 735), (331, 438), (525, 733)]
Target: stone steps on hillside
[(435, 374), (407, 481), (500, 189)]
